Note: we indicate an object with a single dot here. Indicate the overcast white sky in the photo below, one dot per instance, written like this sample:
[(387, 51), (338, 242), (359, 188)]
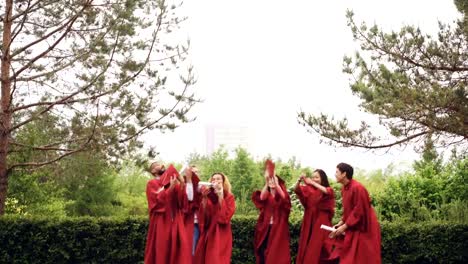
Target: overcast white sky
[(291, 51)]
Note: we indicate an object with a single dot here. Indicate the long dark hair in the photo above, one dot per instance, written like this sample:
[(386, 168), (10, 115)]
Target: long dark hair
[(323, 178)]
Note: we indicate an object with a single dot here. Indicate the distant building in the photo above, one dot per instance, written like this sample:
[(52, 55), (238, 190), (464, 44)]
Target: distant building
[(228, 136)]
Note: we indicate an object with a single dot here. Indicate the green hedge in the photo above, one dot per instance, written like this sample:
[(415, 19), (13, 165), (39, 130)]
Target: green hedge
[(90, 240)]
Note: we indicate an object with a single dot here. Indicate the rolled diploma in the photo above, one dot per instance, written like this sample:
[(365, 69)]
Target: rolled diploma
[(207, 184), (328, 228)]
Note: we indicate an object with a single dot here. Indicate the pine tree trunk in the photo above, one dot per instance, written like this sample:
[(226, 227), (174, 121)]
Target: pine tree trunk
[(5, 115)]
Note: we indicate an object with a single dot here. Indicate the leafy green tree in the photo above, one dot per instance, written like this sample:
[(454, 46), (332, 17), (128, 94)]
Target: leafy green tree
[(413, 82), (90, 184), (434, 191), (37, 194), (244, 175), (218, 162), (456, 179), (430, 158), (245, 179), (103, 69), (35, 191), (13, 208), (131, 189)]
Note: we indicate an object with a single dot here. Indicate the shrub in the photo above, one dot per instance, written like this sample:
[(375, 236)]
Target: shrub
[(111, 240)]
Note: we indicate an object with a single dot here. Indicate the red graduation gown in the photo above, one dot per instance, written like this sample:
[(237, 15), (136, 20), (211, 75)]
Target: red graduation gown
[(190, 208), (215, 243), (318, 210), (362, 240), (277, 249), (166, 241)]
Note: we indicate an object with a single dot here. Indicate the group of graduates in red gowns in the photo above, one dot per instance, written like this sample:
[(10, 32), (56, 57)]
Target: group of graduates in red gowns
[(190, 220)]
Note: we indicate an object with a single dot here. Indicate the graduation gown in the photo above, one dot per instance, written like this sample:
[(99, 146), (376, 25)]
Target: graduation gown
[(318, 210), (166, 241), (215, 243), (362, 239), (277, 247)]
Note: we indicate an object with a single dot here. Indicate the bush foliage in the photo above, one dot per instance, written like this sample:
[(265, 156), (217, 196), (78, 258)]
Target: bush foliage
[(122, 240)]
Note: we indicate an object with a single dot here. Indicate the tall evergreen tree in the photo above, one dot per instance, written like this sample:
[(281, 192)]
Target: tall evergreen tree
[(104, 68), (415, 83)]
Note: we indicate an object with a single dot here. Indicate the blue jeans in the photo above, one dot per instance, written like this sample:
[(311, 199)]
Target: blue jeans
[(196, 236)]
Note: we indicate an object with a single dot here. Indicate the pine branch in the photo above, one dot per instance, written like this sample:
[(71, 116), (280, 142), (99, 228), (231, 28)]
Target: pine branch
[(67, 153)]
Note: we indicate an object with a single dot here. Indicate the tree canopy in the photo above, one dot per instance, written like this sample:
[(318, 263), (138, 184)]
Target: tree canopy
[(96, 73), (415, 83)]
